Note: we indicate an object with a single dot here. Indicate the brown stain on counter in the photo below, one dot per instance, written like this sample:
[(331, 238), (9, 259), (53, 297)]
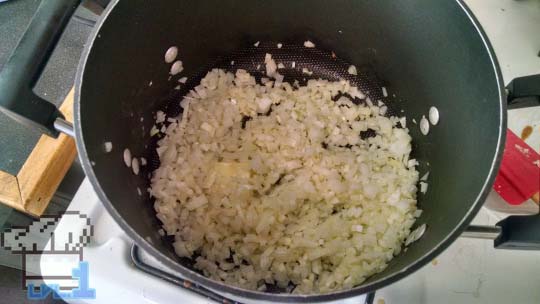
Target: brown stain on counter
[(526, 132)]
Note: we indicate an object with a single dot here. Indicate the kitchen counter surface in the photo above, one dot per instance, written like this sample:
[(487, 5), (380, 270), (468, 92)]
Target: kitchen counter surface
[(55, 83)]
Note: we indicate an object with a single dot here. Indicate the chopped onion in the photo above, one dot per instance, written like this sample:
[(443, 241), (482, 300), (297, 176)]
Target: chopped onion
[(176, 68), (279, 80), (171, 54), (433, 115), (160, 116), (309, 44), (264, 104), (306, 71), (127, 157), (416, 234), (403, 121), (154, 130), (224, 185), (384, 92), (108, 146), (352, 70), (424, 125), (135, 165), (270, 65), (423, 187)]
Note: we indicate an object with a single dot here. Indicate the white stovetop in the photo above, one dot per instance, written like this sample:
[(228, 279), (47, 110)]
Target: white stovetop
[(469, 271)]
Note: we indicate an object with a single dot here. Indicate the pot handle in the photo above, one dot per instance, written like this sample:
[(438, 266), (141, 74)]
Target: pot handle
[(524, 92), (514, 232), (26, 63), (519, 232)]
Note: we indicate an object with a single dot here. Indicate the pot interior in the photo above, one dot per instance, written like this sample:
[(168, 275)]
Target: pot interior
[(427, 53)]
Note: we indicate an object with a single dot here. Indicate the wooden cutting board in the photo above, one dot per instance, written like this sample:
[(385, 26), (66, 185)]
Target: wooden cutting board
[(31, 189)]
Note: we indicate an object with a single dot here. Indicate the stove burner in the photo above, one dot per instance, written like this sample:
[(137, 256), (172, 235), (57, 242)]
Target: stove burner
[(190, 286), (185, 284)]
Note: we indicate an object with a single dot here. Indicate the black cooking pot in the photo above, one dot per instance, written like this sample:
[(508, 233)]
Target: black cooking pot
[(427, 53)]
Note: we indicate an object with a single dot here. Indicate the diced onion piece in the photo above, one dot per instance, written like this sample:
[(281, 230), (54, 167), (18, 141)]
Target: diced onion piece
[(207, 127), (271, 66), (154, 130), (176, 68), (108, 146), (424, 125), (403, 121), (127, 157), (306, 71), (264, 104), (352, 70), (279, 79), (416, 234), (423, 187), (135, 166), (433, 115), (160, 116), (171, 54), (309, 44)]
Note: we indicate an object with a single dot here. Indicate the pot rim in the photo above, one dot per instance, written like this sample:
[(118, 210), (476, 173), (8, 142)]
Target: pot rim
[(232, 291)]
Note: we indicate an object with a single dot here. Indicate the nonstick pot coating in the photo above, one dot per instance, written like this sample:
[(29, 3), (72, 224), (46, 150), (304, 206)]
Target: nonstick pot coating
[(427, 53)]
